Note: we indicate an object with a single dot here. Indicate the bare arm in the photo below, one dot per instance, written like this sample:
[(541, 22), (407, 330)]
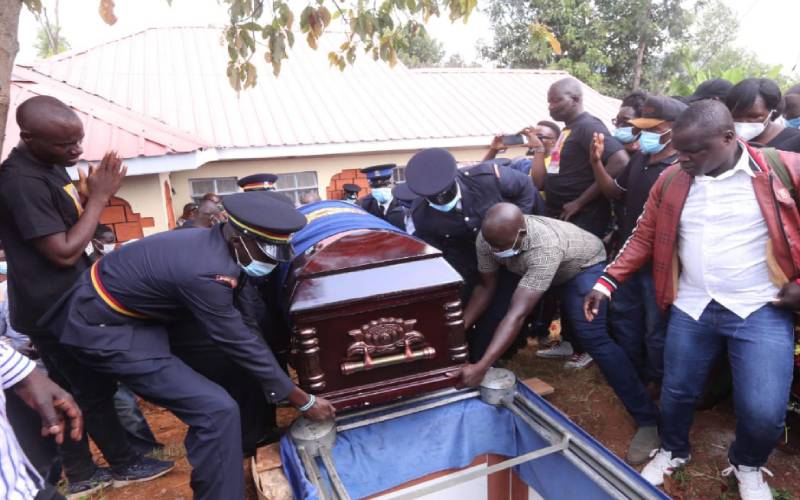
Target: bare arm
[(538, 169), (495, 147), (481, 298), (65, 248), (603, 180), (616, 164), (522, 303)]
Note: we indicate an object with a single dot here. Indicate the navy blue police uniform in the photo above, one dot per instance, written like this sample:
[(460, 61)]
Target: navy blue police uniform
[(115, 320), (433, 171), (380, 177)]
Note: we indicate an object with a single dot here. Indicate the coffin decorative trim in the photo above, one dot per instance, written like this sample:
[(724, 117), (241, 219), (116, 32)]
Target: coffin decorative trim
[(454, 319), (309, 369), (385, 342)]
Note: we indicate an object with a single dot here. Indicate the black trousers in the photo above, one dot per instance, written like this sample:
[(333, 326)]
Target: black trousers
[(99, 415), (41, 451), (480, 336), (213, 441), (257, 416)]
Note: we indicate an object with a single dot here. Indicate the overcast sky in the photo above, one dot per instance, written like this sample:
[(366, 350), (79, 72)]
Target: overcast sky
[(767, 26)]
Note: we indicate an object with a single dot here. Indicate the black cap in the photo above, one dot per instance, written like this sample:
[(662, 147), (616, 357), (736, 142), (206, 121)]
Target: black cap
[(258, 182), (352, 188), (715, 88), (658, 109), (403, 193), (431, 171), (266, 218)]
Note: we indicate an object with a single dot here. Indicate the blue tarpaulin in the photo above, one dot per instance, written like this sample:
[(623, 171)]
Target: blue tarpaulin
[(383, 455)]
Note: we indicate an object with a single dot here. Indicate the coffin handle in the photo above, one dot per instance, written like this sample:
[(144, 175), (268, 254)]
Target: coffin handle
[(367, 364)]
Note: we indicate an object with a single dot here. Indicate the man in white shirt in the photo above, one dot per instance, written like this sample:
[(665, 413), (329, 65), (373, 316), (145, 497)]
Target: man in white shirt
[(18, 478), (719, 228)]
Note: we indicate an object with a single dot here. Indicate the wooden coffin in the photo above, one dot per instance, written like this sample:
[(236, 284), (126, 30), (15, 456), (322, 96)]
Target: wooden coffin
[(375, 316)]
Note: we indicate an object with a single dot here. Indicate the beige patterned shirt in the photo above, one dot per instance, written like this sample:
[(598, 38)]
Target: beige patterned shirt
[(553, 253)]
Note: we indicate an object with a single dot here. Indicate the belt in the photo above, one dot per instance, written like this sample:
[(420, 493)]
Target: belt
[(107, 297)]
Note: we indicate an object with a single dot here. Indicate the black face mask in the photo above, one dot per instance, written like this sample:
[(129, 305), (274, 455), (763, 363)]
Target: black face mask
[(445, 196)]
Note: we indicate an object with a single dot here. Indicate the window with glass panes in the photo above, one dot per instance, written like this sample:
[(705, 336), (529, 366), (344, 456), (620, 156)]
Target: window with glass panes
[(220, 185), (399, 174), (297, 184)]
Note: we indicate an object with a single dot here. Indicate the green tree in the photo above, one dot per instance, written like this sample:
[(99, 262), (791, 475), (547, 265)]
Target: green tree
[(603, 42), (708, 51), (417, 49), (267, 29), (49, 40)]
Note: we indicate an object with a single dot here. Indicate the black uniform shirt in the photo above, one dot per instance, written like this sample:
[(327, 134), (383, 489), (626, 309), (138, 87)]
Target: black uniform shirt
[(173, 274), (787, 140), (36, 200), (637, 179)]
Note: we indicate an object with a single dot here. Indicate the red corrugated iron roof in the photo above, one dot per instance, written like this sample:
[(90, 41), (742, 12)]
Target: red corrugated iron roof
[(177, 75), (106, 125)]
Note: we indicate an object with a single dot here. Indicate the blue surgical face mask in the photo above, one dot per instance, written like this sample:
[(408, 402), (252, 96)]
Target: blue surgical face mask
[(511, 252), (3, 267), (793, 122), (256, 268), (650, 142), (449, 205), (625, 135), (382, 194)]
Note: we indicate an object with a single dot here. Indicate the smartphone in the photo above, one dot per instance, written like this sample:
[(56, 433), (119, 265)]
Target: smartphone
[(514, 140)]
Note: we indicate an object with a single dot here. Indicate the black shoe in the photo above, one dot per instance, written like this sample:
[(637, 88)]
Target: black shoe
[(82, 489), (144, 469)]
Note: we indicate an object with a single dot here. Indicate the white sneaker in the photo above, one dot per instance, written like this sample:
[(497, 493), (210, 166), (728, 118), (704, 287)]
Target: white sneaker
[(578, 361), (751, 482), (560, 350), (661, 465)]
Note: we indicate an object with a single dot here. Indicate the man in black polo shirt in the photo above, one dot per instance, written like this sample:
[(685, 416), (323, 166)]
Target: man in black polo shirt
[(638, 325), (46, 226), (570, 189)]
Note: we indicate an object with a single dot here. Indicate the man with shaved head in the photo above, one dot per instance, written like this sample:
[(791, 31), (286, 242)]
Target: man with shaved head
[(550, 254), (722, 230), (571, 193), (46, 226)]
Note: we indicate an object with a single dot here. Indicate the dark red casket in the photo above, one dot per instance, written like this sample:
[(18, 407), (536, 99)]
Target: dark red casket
[(376, 316)]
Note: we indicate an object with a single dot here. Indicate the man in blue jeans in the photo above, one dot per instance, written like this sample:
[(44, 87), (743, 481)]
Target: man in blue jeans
[(721, 229), (549, 253)]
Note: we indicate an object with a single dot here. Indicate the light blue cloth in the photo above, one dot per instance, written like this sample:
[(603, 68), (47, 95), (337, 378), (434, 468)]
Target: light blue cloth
[(380, 456)]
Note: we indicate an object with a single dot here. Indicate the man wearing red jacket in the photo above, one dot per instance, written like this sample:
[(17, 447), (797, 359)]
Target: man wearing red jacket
[(723, 232)]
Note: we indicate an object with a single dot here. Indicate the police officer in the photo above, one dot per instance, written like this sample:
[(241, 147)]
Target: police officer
[(380, 201), (448, 215), (351, 193), (115, 321), (258, 182), (405, 198)]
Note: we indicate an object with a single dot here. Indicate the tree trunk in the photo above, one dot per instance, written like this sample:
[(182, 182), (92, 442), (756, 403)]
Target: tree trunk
[(637, 68), (9, 24)]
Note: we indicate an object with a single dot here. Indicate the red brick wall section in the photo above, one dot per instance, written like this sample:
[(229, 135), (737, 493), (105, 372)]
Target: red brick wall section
[(335, 190), (127, 224)]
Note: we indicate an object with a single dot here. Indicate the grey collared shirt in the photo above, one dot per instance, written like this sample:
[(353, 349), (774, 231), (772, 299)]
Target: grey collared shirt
[(553, 252)]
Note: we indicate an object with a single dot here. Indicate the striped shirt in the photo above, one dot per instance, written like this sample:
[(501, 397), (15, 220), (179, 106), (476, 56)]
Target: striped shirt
[(18, 478)]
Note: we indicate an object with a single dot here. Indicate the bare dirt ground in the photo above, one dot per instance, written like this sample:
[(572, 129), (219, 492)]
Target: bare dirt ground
[(583, 396)]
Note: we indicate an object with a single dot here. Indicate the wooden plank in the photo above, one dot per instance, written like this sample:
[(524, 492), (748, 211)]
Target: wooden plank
[(539, 386)]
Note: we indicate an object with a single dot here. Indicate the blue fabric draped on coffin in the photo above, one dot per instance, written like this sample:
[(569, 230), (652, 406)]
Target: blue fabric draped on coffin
[(381, 456)]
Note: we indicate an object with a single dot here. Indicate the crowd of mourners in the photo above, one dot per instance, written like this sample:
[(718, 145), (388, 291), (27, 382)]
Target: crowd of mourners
[(667, 249)]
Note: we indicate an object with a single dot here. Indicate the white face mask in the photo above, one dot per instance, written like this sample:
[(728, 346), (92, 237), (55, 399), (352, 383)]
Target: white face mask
[(749, 131), (109, 247)]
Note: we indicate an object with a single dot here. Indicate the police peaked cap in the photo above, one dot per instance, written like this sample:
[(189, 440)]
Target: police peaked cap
[(258, 181), (379, 172), (431, 171), (403, 193), (267, 218), (351, 188)]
